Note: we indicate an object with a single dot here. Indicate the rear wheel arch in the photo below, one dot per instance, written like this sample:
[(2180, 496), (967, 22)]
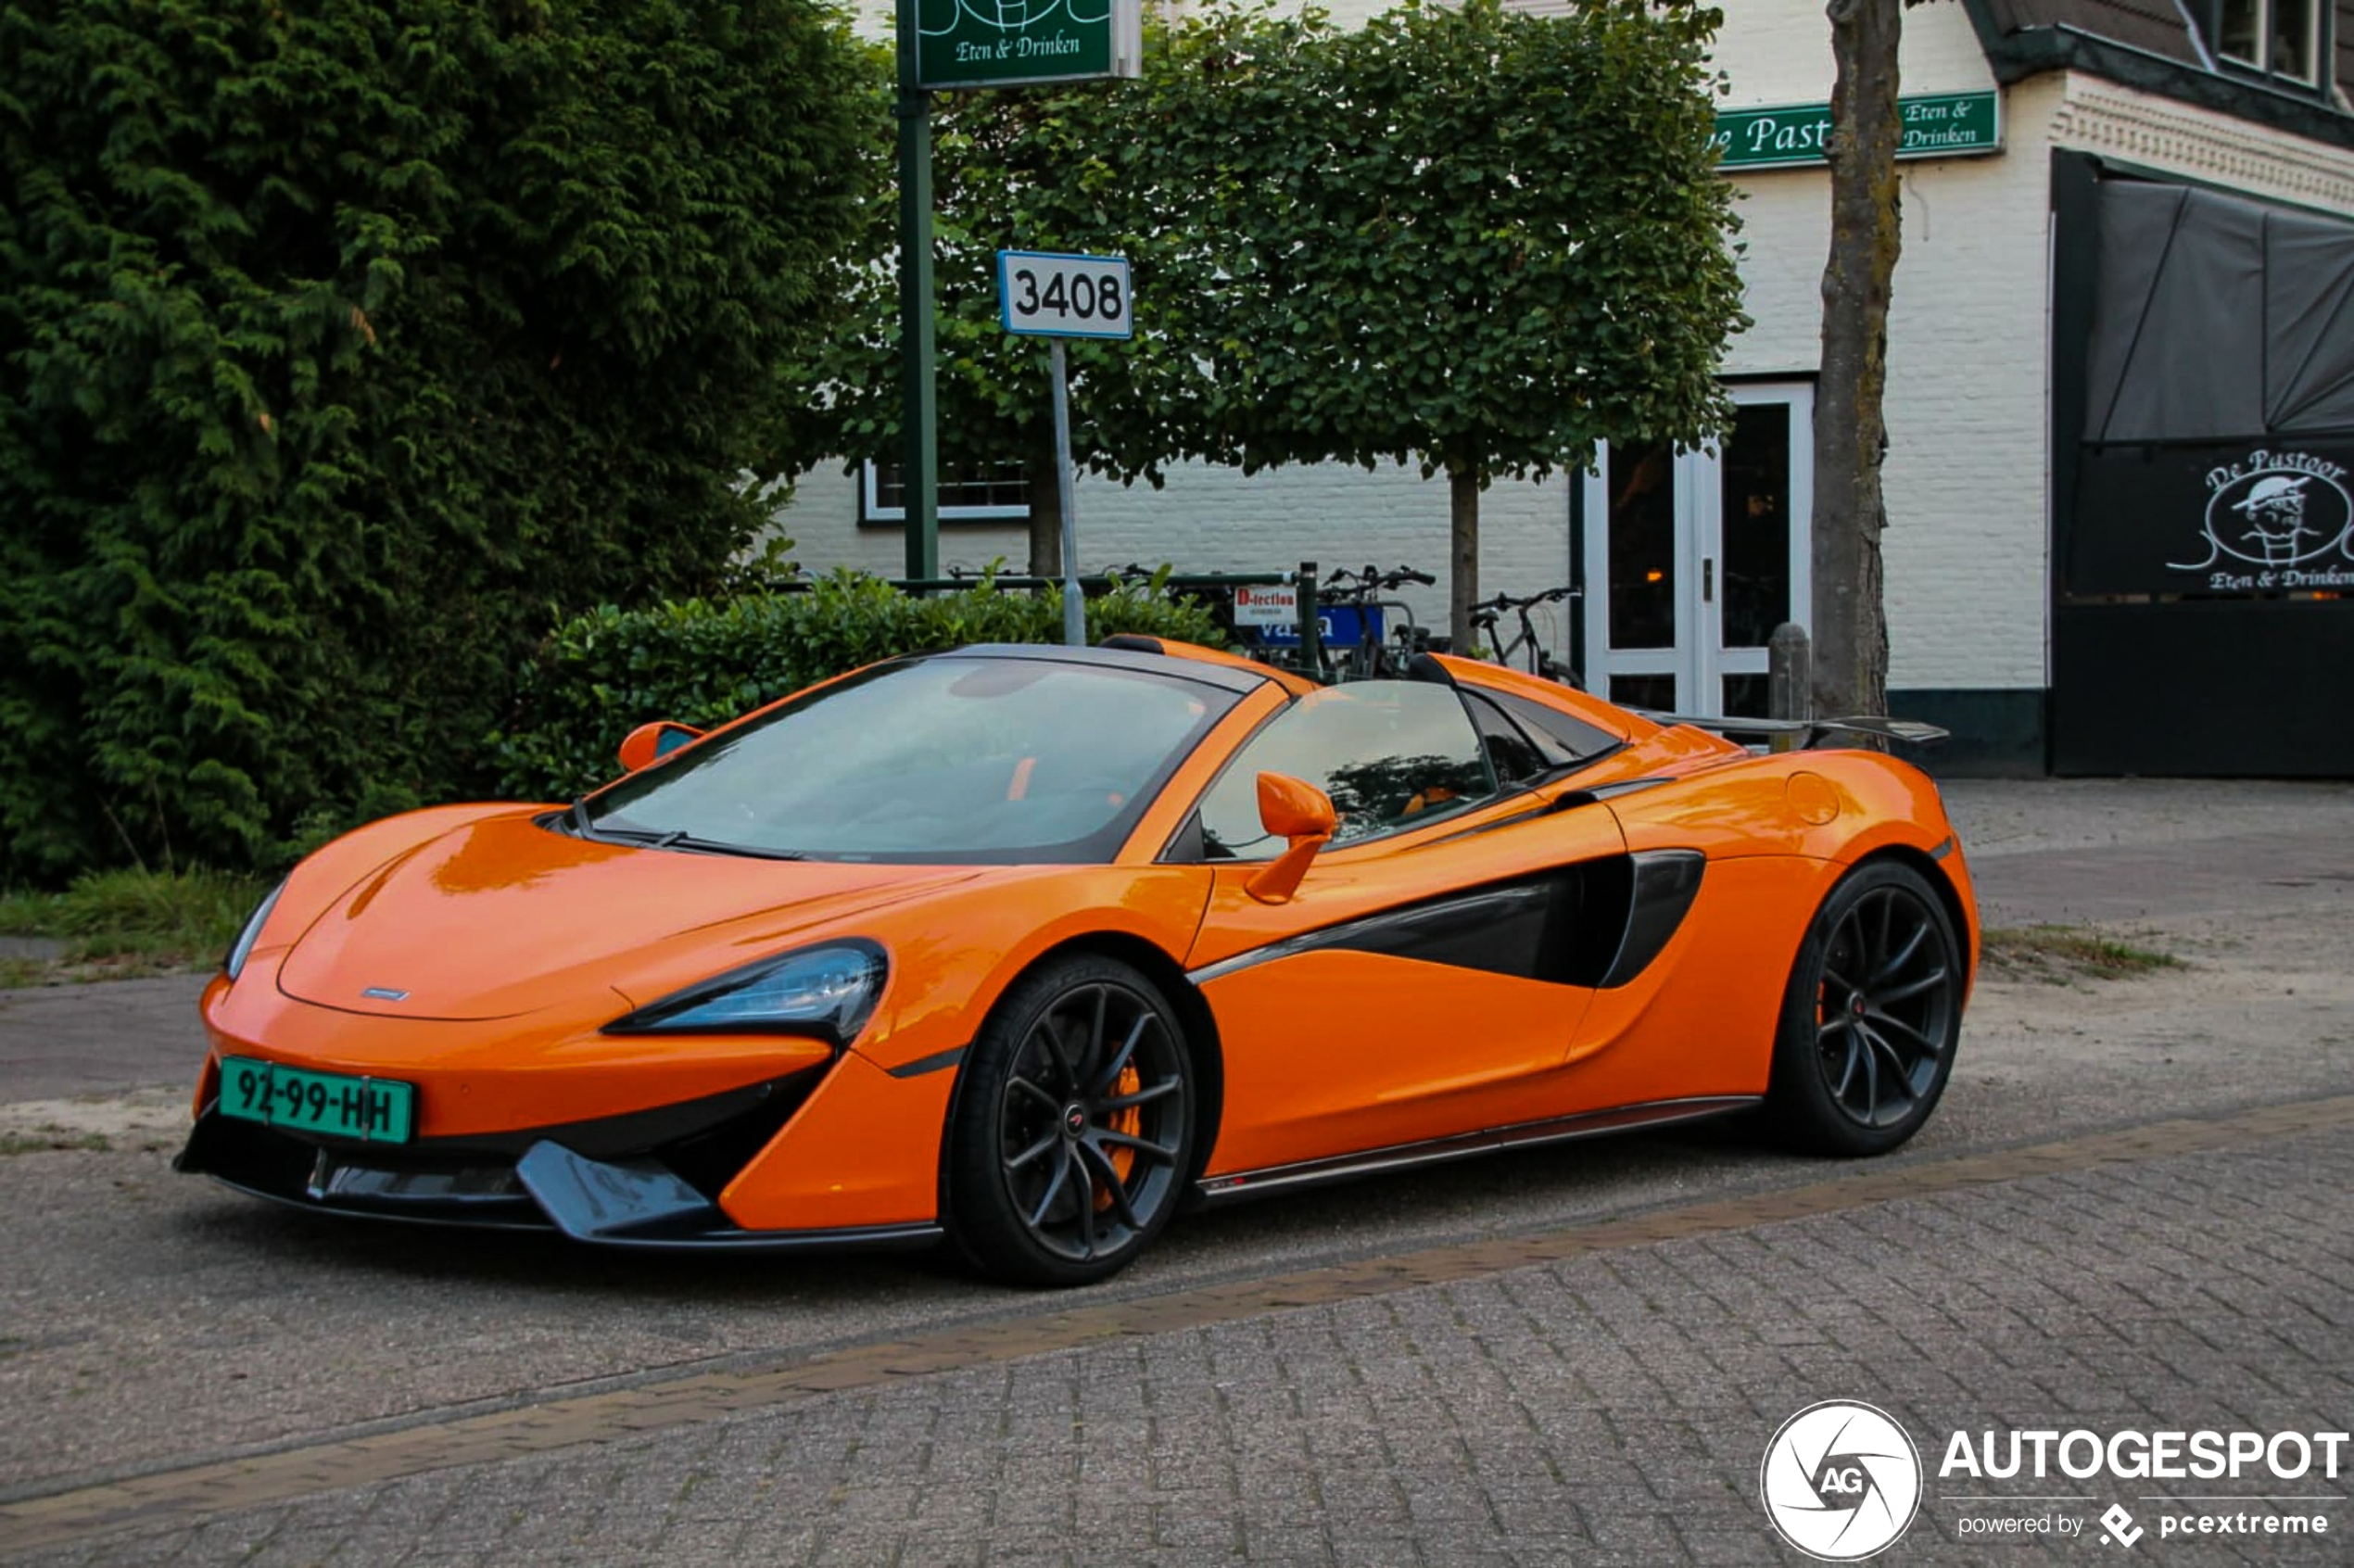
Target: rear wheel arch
[(1940, 883)]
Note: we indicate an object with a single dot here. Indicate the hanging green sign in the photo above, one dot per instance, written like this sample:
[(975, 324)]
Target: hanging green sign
[(1936, 125), (1011, 43)]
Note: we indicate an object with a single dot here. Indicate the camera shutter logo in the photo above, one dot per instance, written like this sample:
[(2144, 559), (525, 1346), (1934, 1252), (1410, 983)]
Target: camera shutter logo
[(1840, 1481)]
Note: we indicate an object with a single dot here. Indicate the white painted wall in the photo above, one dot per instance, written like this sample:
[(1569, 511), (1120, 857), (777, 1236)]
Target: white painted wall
[(1966, 549), (1780, 52), (1215, 519)]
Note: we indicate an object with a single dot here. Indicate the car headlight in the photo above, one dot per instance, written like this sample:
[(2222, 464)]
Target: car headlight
[(829, 990), (242, 949)]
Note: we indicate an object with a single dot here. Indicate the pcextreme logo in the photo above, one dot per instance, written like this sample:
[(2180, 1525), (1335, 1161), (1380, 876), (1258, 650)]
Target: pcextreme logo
[(1840, 1481)]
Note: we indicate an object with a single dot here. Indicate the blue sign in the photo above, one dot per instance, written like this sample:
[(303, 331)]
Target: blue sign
[(1344, 626)]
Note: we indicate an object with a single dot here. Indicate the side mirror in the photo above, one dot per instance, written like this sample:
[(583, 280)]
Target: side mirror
[(1300, 813), (652, 743)]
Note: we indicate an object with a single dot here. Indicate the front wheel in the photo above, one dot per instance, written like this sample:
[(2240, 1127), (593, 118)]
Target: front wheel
[(1872, 1017), (1070, 1143)]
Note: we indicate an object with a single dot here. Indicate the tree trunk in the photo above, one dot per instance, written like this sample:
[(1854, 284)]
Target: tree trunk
[(1462, 556), (1046, 505), (1851, 433)]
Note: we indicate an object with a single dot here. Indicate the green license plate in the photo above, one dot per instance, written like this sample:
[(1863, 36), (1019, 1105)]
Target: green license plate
[(374, 1110)]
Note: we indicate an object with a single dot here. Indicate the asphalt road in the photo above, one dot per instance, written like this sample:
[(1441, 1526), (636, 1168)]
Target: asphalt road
[(149, 1323)]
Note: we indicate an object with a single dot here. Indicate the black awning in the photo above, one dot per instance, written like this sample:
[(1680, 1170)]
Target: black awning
[(2217, 318)]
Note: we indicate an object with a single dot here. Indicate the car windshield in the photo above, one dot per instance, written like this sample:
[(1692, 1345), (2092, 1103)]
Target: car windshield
[(948, 759)]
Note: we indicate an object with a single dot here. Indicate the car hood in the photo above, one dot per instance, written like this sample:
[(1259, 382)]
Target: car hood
[(501, 918)]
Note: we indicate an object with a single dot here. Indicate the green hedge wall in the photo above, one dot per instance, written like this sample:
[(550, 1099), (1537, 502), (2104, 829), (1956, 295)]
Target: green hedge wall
[(343, 344), (601, 675)]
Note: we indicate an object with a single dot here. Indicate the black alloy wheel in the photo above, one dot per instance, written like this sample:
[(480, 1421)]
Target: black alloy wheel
[(1872, 1017), (1072, 1131)]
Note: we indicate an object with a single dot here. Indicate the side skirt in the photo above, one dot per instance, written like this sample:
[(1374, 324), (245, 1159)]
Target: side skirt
[(1526, 1134)]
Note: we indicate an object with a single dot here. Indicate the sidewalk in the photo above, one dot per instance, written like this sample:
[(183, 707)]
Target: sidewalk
[(2107, 850)]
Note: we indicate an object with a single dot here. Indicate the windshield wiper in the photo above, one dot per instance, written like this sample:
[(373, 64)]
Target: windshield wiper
[(713, 846), (678, 838)]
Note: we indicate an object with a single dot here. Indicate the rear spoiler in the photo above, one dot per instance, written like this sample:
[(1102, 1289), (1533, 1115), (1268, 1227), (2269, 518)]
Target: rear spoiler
[(1782, 735)]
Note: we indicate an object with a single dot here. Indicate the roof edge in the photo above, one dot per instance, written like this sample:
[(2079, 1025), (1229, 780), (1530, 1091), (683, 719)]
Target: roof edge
[(2034, 51)]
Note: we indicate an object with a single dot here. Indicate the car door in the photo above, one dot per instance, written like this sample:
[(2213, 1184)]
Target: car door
[(1419, 984)]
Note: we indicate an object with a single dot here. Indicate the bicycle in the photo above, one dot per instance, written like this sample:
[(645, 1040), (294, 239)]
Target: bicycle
[(1369, 657), (1485, 614)]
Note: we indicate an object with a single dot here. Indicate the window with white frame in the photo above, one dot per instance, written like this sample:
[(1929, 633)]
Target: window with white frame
[(2281, 38), (976, 493)]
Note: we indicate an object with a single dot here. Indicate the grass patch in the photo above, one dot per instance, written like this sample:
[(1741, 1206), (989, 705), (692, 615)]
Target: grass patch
[(2059, 954), (25, 971), (129, 922), (39, 1143)]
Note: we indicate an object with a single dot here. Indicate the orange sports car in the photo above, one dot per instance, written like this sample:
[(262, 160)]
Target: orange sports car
[(1028, 948)]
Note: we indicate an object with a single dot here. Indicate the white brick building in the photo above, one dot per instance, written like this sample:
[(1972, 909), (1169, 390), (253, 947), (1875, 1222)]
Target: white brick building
[(1997, 296)]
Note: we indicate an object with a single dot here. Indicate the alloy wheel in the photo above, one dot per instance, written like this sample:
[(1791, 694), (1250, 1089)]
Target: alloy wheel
[(1090, 1120), (1884, 1009)]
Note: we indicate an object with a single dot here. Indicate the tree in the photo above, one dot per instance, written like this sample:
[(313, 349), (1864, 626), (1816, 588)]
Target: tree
[(338, 343), (1472, 238), (1851, 426), (1486, 242), (1089, 166)]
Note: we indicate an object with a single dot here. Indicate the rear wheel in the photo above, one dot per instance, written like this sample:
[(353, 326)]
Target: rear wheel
[(1872, 1017), (1071, 1134)]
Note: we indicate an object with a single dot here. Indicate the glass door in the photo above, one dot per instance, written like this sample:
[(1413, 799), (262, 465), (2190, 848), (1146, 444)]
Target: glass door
[(1692, 559)]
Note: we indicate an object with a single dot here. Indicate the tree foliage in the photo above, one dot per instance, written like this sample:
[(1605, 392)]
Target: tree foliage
[(338, 342), (1044, 169), (1471, 238)]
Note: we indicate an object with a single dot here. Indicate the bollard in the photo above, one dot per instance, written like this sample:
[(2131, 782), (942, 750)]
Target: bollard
[(1311, 624), (1790, 682)]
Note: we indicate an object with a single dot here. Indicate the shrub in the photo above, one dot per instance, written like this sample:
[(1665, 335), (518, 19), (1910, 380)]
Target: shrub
[(170, 915), (339, 342), (602, 673)]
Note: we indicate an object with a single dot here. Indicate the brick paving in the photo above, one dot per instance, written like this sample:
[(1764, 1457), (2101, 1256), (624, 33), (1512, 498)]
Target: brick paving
[(1599, 1394)]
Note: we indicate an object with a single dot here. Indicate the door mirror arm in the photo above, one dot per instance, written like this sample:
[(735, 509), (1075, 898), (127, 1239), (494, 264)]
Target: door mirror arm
[(1302, 814)]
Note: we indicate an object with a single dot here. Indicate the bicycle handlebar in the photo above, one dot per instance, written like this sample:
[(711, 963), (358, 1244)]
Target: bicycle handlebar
[(1372, 579), (1503, 602)]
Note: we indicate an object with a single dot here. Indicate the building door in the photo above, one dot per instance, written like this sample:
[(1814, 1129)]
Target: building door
[(1692, 559)]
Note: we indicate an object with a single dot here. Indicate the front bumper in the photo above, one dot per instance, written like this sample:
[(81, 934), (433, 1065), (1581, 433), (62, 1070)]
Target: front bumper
[(782, 1138), (651, 1179)]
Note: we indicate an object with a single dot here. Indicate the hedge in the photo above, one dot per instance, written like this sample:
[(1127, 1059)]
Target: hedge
[(601, 675), (342, 344)]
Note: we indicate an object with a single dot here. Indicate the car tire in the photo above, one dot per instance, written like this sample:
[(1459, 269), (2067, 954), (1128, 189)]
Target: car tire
[(1872, 1017), (1081, 1082)]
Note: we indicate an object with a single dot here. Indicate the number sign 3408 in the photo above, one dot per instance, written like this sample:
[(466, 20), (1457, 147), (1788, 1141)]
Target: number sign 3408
[(1049, 296)]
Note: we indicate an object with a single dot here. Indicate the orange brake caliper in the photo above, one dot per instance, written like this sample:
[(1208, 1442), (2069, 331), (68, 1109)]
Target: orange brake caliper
[(1130, 1122)]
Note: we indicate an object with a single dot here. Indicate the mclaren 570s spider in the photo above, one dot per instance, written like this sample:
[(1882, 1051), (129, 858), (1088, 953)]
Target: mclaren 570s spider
[(1026, 949)]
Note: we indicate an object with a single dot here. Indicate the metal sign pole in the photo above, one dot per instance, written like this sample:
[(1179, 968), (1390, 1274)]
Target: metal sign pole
[(918, 403), (1074, 602)]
